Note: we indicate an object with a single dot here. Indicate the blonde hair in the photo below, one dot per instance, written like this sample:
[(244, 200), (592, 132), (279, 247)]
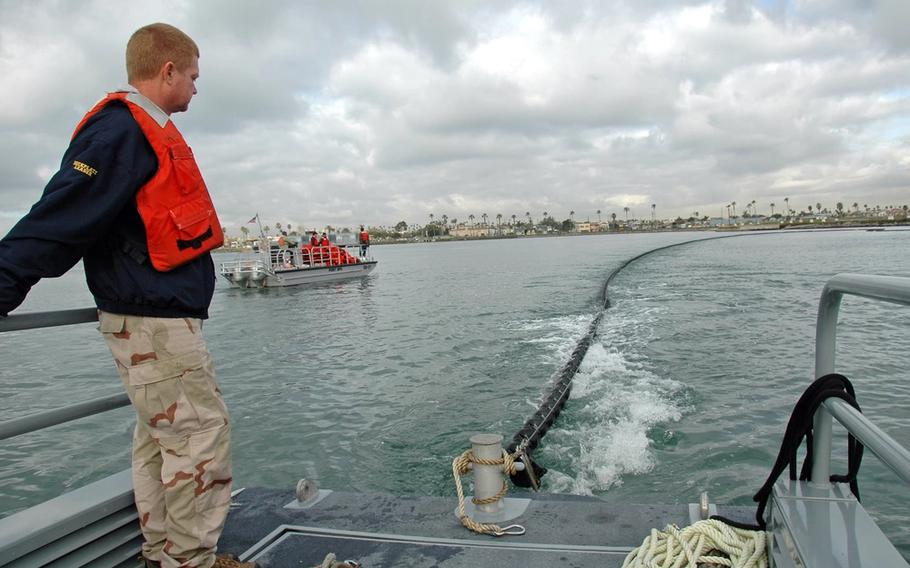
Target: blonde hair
[(151, 46)]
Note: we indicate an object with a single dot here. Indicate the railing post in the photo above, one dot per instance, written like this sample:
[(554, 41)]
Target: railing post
[(825, 348)]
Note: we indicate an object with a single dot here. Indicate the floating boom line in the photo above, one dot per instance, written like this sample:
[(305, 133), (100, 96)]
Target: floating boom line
[(535, 428)]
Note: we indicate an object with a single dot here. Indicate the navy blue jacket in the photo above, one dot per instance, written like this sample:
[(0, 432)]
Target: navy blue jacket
[(88, 210)]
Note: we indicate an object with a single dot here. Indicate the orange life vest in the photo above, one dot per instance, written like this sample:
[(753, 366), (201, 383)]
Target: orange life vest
[(175, 206), (364, 238)]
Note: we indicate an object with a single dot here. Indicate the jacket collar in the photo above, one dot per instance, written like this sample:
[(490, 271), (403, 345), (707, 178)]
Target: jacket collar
[(146, 104)]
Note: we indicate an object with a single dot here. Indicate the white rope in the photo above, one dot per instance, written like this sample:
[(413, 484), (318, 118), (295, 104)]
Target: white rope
[(705, 542)]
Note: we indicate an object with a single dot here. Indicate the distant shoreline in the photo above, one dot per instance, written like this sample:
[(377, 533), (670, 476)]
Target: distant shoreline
[(904, 225)]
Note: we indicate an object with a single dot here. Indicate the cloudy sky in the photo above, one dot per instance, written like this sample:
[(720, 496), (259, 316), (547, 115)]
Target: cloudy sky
[(346, 112)]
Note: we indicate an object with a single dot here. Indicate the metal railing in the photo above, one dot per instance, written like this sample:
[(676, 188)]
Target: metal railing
[(883, 288), (232, 266), (41, 420), (277, 259), (93, 526)]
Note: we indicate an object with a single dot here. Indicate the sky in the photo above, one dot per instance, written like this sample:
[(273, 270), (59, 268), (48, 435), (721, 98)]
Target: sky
[(335, 112)]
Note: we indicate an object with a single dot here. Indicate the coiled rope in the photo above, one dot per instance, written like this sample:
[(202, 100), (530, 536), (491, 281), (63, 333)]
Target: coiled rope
[(460, 466), (710, 542)]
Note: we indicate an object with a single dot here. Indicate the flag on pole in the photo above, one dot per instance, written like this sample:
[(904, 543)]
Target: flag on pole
[(253, 220)]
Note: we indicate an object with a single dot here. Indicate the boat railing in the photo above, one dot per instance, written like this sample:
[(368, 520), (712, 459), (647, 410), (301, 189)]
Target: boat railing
[(243, 265), (815, 523), (93, 525), (46, 419), (312, 256), (883, 288), (277, 259)]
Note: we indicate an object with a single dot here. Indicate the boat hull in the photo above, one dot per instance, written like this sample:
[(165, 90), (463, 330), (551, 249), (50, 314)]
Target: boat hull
[(258, 277)]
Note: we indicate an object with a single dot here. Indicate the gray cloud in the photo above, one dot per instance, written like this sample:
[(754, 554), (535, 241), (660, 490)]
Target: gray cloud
[(367, 112)]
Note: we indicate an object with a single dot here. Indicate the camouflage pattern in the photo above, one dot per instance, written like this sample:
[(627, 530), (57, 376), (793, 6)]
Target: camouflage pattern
[(181, 443)]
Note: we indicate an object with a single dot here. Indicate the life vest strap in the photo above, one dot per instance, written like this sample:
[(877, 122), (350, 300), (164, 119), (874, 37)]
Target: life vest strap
[(195, 243)]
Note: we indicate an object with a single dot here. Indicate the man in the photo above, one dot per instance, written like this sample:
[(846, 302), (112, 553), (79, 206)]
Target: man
[(130, 201), (364, 242)]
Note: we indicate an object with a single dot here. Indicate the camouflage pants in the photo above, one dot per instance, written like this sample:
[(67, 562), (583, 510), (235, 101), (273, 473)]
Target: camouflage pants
[(181, 444)]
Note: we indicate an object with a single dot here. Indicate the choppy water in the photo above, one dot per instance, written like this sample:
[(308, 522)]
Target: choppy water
[(375, 385)]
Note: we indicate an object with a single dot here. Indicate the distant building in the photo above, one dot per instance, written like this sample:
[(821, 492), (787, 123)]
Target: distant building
[(470, 231)]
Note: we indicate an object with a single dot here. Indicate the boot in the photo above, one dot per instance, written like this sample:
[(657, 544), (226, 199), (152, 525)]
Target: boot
[(231, 561)]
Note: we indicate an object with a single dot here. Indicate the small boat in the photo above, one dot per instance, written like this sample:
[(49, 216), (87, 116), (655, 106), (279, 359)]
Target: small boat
[(291, 265)]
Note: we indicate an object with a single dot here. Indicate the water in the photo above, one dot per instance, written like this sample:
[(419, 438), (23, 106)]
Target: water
[(375, 385)]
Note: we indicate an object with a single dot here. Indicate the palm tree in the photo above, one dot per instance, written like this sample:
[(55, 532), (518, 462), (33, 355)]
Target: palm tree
[(810, 209), (653, 212), (733, 205), (499, 222), (772, 209), (471, 218), (245, 231), (445, 220), (544, 216), (818, 207), (626, 209), (598, 216), (728, 212), (613, 217), (431, 218), (513, 218), (528, 215), (572, 217), (787, 201), (484, 217), (753, 207), (840, 208)]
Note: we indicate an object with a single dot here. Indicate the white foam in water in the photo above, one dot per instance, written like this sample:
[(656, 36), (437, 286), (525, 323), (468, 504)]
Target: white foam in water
[(602, 435), (559, 334)]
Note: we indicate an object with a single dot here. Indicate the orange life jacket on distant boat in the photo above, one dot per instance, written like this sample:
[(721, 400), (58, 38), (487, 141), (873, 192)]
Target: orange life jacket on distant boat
[(175, 206), (364, 238)]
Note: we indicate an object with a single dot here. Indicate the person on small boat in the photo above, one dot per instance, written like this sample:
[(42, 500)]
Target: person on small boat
[(152, 284), (314, 240), (324, 241), (364, 242)]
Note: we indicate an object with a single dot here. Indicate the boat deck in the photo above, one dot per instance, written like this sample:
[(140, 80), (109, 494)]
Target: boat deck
[(270, 527)]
